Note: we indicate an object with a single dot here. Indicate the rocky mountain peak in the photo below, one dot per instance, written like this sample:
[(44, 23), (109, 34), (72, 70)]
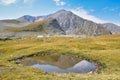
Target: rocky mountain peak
[(27, 18), (62, 11)]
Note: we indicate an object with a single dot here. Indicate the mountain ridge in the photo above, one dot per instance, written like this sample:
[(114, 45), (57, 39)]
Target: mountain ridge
[(67, 23)]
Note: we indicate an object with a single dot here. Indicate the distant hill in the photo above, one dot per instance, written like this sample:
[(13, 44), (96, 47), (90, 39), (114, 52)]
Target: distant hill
[(13, 23)]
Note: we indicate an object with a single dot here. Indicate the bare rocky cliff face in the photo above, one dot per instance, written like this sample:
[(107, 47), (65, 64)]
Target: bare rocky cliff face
[(65, 23), (75, 25)]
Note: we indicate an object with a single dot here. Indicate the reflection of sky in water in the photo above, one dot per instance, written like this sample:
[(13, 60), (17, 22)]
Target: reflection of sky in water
[(81, 67), (49, 68)]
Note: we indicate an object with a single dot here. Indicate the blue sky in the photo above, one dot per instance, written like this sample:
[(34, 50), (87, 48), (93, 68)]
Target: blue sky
[(99, 11)]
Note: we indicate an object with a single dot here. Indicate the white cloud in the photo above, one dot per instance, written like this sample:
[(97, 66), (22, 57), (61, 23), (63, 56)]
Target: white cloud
[(85, 14), (7, 2), (59, 2)]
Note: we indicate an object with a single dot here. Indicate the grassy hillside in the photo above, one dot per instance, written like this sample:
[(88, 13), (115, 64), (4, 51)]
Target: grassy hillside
[(36, 26), (105, 50), (11, 21)]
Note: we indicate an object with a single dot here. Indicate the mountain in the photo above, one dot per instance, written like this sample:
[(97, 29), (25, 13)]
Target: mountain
[(60, 23), (75, 25), (27, 18), (114, 29)]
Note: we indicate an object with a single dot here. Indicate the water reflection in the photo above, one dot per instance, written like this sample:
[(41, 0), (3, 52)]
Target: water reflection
[(60, 63)]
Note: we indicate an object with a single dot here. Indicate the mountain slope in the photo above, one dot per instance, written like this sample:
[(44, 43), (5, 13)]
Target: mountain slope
[(50, 26), (114, 29)]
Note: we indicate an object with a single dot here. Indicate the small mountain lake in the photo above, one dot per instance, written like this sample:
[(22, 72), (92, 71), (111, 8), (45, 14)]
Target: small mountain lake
[(59, 63)]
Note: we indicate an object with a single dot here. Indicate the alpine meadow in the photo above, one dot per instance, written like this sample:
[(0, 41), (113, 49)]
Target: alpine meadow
[(59, 40)]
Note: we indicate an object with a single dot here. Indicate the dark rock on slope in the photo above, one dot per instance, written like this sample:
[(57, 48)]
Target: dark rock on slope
[(53, 27)]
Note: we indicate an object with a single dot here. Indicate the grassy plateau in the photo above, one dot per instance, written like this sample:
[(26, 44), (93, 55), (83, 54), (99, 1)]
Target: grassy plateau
[(104, 50)]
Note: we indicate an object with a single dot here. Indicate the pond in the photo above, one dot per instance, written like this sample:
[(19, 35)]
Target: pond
[(59, 63)]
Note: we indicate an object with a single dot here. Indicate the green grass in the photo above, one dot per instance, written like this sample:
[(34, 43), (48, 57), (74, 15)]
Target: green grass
[(105, 50)]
